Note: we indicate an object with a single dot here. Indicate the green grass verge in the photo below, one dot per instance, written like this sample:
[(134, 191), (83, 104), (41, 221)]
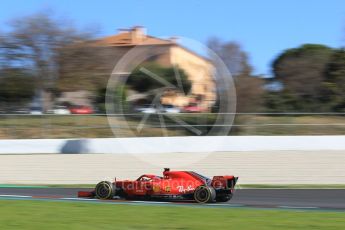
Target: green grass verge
[(48, 126), (32, 215)]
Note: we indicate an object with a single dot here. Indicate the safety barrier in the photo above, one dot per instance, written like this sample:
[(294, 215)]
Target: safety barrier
[(172, 144)]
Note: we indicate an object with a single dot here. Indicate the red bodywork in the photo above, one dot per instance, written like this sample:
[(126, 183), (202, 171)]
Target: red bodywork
[(173, 185)]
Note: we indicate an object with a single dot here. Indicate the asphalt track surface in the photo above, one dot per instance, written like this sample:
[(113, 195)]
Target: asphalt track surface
[(306, 199)]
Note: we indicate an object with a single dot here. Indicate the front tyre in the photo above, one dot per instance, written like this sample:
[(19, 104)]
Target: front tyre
[(104, 190), (204, 194)]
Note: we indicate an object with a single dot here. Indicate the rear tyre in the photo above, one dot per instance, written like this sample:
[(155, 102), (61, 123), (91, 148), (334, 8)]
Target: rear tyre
[(104, 190), (204, 194)]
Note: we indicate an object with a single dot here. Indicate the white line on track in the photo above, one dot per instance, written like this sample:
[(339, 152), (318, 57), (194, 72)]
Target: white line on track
[(149, 202), (83, 199), (231, 205), (296, 207), (16, 196), (73, 198)]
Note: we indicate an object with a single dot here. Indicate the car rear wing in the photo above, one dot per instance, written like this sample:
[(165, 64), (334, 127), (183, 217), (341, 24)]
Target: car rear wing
[(232, 182)]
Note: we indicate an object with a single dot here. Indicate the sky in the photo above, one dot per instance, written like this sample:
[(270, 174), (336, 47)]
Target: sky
[(264, 28)]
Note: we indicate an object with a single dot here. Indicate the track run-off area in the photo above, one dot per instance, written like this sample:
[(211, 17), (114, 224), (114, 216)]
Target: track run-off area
[(294, 199)]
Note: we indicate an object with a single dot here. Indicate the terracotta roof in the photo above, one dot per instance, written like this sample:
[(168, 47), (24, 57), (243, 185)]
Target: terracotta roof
[(137, 36), (125, 39)]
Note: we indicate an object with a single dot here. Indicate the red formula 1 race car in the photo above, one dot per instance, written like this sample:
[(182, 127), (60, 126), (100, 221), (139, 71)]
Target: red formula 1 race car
[(174, 185)]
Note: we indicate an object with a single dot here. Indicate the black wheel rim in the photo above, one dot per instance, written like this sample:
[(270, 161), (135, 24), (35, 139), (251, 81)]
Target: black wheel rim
[(202, 195), (103, 191)]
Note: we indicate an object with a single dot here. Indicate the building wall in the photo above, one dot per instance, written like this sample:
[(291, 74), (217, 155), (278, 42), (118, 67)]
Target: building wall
[(163, 59), (199, 71)]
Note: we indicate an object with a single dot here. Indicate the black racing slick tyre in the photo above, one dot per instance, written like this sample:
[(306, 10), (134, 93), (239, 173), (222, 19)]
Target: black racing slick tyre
[(104, 190), (204, 194)]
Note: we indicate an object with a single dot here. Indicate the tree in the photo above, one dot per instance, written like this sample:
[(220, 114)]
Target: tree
[(34, 43), (16, 87), (249, 89), (301, 71), (82, 63), (231, 53), (334, 83), (2, 51)]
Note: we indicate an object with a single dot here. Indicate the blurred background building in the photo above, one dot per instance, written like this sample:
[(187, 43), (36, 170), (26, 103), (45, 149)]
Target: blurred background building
[(198, 69)]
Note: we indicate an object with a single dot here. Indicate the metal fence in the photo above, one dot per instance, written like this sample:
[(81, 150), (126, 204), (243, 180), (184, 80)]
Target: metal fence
[(17, 126)]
